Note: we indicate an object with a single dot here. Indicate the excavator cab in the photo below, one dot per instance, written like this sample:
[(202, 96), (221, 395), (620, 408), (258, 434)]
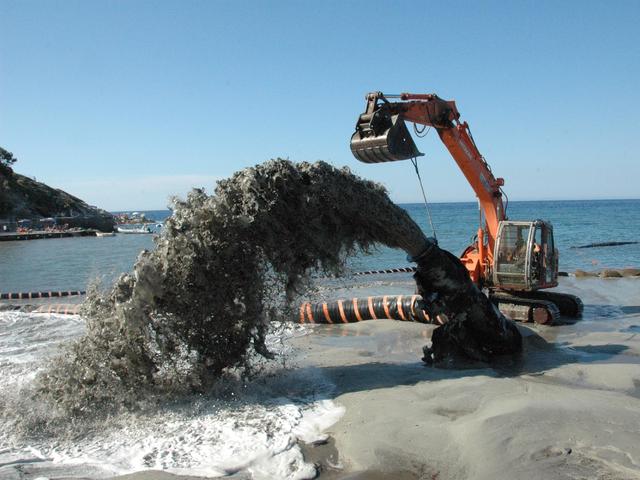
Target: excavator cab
[(382, 136), (526, 257)]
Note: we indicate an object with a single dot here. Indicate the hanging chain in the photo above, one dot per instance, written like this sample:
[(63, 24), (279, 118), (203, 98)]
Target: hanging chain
[(421, 133)]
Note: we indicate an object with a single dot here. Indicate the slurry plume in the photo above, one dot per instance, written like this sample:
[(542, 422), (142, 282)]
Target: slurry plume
[(223, 268)]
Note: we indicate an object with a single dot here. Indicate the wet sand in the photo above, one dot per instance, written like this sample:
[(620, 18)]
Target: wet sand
[(569, 408)]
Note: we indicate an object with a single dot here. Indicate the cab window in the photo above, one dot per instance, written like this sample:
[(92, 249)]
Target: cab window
[(512, 253)]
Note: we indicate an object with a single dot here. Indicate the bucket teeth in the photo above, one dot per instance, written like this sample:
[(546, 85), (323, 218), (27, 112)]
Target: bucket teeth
[(382, 138)]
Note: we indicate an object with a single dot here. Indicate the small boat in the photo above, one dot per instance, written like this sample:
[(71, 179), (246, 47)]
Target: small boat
[(135, 230), (105, 234)]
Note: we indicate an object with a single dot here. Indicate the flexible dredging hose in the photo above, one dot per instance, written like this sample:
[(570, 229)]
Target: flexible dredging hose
[(406, 308), (476, 328), (473, 328)]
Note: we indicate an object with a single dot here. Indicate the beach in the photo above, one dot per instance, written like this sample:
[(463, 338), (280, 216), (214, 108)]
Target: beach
[(569, 408), (429, 272), (355, 401), (348, 401)]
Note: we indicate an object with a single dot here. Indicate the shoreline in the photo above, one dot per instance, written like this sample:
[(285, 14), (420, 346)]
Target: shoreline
[(567, 408), (43, 234)]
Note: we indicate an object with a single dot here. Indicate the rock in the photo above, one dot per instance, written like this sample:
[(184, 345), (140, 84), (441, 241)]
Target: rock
[(610, 273), (583, 274), (24, 197), (630, 272)]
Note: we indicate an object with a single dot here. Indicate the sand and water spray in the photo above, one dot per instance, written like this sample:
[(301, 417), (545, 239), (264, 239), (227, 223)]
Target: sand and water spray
[(225, 267)]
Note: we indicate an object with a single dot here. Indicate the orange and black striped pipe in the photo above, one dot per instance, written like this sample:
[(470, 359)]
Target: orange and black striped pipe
[(407, 308)]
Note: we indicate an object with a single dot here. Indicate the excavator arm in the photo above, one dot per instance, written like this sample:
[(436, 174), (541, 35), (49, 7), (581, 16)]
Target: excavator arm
[(382, 136)]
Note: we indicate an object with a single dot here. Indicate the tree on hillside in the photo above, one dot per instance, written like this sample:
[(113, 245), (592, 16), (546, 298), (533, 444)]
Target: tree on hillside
[(6, 160)]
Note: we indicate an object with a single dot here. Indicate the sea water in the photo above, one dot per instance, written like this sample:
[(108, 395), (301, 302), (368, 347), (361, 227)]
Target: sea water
[(575, 223), (175, 329), (71, 263), (250, 427)]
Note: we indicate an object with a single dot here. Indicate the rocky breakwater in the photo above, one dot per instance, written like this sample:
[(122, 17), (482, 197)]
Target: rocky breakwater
[(609, 273)]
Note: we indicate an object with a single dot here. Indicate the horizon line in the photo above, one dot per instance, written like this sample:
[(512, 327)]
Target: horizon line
[(431, 203)]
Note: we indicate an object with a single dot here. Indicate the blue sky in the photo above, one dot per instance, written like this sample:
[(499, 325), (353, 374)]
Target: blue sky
[(124, 103)]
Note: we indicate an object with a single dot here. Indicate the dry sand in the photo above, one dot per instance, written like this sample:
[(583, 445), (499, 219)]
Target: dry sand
[(569, 408)]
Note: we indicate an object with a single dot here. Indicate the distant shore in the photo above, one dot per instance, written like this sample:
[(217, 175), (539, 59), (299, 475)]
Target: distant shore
[(39, 234)]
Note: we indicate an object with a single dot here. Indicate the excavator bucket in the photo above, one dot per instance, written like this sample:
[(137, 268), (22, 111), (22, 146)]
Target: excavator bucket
[(381, 137)]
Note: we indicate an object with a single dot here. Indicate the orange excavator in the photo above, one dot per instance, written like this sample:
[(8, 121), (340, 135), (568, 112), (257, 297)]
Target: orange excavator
[(514, 260)]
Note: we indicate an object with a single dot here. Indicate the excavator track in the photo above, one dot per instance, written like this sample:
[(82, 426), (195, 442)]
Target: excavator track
[(523, 309), (569, 305)]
